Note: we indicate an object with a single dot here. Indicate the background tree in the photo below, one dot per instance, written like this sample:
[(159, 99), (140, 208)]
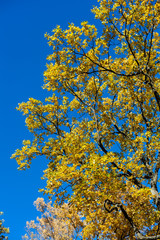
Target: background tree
[(3, 230), (100, 128), (61, 223)]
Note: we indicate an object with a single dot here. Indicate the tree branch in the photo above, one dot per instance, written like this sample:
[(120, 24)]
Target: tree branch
[(110, 206)]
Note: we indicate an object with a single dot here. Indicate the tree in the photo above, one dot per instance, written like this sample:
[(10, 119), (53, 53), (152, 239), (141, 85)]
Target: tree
[(3, 230), (61, 223), (100, 128)]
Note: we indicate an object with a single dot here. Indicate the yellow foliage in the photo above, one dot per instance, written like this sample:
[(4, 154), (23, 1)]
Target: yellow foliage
[(100, 128)]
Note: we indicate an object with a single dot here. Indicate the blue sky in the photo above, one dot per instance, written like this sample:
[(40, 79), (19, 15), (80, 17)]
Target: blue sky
[(23, 52)]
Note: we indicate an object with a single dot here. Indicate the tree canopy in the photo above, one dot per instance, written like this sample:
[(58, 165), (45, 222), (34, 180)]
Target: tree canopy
[(57, 223), (99, 129)]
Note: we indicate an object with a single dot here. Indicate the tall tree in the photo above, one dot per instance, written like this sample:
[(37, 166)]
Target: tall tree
[(100, 128)]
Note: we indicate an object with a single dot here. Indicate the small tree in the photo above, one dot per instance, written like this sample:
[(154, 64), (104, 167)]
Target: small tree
[(3, 230), (61, 223), (100, 130)]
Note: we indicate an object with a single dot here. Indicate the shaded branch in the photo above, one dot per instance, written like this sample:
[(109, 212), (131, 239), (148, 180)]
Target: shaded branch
[(110, 206), (119, 206), (156, 94), (154, 180)]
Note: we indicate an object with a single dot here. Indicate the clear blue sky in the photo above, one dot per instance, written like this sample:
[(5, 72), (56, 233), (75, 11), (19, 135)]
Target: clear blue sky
[(23, 52)]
